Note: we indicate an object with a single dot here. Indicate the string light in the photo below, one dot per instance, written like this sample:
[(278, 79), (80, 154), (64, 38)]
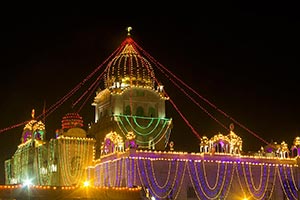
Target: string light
[(158, 64), (289, 188), (260, 191), (245, 170), (159, 133), (74, 153)]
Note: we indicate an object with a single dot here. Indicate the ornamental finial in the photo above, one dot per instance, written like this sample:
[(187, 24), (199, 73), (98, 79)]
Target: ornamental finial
[(32, 113), (129, 28), (231, 127)]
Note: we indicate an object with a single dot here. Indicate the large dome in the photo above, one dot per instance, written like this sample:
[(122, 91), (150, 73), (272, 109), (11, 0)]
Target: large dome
[(129, 68)]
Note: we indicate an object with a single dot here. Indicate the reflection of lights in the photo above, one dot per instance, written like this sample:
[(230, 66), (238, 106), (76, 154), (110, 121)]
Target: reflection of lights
[(27, 182), (152, 198), (245, 198), (86, 184)]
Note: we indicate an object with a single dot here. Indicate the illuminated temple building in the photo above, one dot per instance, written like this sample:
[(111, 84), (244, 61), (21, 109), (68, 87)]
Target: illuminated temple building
[(128, 145)]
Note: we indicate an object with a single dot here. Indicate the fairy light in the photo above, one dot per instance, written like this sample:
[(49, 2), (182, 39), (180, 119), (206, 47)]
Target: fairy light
[(168, 174), (259, 191), (256, 177), (148, 176), (293, 178), (292, 184), (154, 189), (56, 105), (74, 156), (117, 169), (206, 190), (72, 120), (285, 189), (161, 67), (125, 63), (159, 133), (199, 172), (144, 131), (289, 188)]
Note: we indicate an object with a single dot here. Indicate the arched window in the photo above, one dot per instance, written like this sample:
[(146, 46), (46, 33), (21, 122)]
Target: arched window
[(294, 152), (39, 135), (127, 110), (139, 111), (26, 135), (220, 147), (286, 154), (152, 112)]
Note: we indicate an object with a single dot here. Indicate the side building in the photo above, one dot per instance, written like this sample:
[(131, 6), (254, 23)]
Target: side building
[(61, 161)]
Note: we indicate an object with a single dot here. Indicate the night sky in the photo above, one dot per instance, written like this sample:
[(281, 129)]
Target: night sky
[(243, 59)]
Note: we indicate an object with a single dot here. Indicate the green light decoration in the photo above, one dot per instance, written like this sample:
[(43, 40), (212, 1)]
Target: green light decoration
[(141, 131), (143, 127), (157, 128), (155, 140)]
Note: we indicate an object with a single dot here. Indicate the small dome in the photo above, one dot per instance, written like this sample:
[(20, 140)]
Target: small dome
[(33, 124), (129, 68), (297, 141), (75, 132), (71, 120), (33, 129)]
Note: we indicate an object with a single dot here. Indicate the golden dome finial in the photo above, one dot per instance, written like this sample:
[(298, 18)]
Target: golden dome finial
[(129, 28), (231, 127), (32, 113)]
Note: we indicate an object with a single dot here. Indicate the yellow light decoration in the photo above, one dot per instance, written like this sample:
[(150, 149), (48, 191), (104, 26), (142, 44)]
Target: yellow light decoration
[(130, 135)]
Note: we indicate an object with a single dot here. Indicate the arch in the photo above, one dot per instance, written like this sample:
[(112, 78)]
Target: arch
[(152, 112), (127, 110), (151, 144), (219, 147), (294, 152), (226, 148), (286, 154), (39, 135), (26, 135), (140, 111)]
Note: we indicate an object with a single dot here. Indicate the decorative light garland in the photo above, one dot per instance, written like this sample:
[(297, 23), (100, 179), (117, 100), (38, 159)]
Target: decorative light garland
[(289, 188), (151, 119), (205, 191), (255, 179), (43, 172), (145, 132), (168, 176), (144, 144), (205, 175), (147, 179), (260, 192), (70, 156)]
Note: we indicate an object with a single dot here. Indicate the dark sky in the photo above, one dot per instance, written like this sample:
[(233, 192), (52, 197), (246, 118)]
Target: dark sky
[(241, 58)]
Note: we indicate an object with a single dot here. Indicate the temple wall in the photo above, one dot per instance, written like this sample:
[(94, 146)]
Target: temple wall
[(186, 176)]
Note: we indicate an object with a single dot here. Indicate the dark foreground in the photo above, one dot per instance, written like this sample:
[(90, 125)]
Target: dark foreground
[(9, 192)]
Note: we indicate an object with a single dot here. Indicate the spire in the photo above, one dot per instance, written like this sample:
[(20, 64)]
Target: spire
[(231, 127)]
